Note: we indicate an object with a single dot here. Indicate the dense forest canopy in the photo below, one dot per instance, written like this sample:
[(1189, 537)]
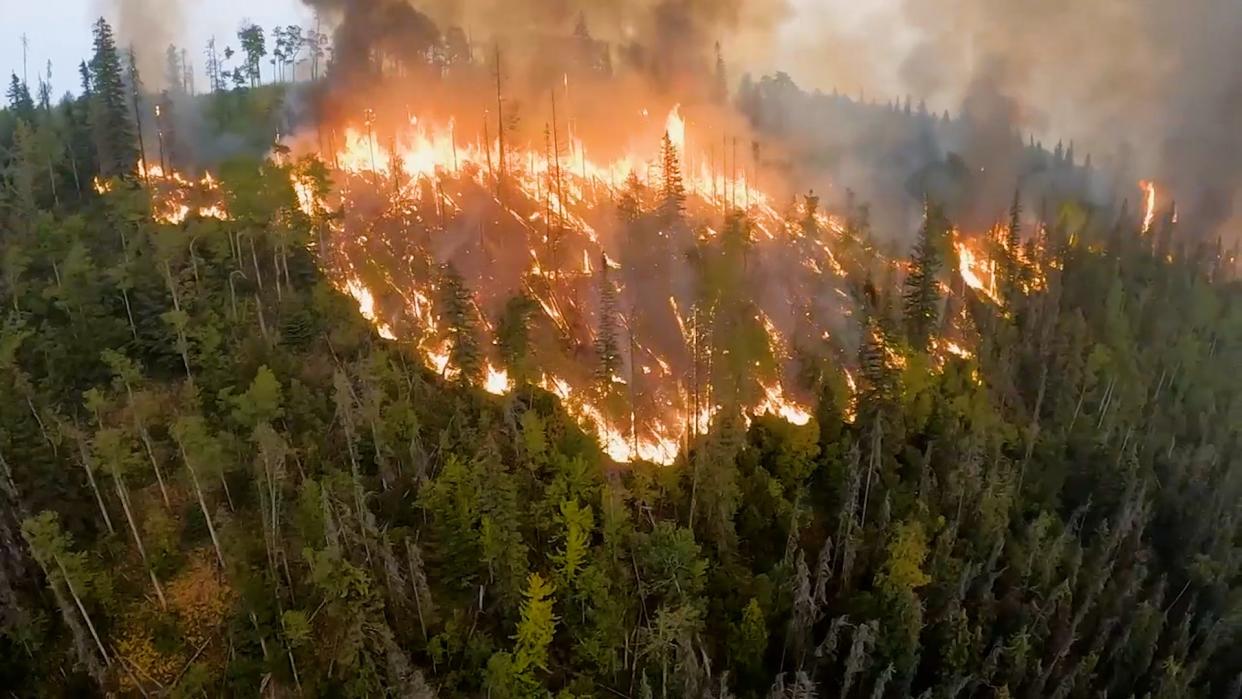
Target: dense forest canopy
[(1008, 467)]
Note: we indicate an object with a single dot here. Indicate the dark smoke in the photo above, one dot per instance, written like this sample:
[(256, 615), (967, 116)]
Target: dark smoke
[(371, 32), (1149, 88)]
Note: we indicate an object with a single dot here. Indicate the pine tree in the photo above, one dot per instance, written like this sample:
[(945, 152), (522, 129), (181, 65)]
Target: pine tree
[(84, 77), (110, 121), (513, 337), (672, 188), (607, 350), (1013, 234), (174, 69), (19, 99), (877, 387), (1011, 260), (462, 327), (922, 287)]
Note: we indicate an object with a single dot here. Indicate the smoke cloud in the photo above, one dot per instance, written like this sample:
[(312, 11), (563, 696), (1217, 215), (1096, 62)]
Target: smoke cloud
[(148, 26), (1152, 78), (1146, 86)]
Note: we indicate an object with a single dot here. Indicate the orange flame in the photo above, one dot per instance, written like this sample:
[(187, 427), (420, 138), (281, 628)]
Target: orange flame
[(567, 190), (1149, 204)]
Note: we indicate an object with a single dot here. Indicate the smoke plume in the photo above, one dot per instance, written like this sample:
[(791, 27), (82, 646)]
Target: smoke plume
[(147, 26), (1145, 77)]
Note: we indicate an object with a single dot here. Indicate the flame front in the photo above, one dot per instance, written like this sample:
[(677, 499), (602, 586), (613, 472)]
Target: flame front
[(425, 195)]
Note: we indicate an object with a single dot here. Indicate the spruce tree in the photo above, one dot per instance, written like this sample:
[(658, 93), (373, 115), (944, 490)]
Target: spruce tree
[(672, 188), (513, 337), (462, 328), (110, 121), (84, 76), (607, 350), (19, 99), (878, 381), (174, 71), (922, 289), (1011, 260)]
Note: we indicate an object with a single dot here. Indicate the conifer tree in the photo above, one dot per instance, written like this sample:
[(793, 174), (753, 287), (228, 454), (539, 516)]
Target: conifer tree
[(84, 78), (19, 99), (877, 386), (607, 349), (1011, 260), (110, 121), (462, 327), (922, 288), (513, 337), (672, 188), (174, 71)]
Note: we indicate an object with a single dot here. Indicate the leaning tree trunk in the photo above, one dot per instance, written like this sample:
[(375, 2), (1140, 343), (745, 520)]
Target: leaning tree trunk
[(90, 477), (202, 504), (122, 494)]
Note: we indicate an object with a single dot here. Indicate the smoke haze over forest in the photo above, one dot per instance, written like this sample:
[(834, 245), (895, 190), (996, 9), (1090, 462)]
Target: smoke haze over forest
[(1146, 86)]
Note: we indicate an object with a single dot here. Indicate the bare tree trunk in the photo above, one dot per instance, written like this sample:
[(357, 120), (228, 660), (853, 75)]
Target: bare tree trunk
[(254, 256), (129, 313), (90, 477), (123, 494), (155, 464), (82, 608), (258, 308), (202, 504)]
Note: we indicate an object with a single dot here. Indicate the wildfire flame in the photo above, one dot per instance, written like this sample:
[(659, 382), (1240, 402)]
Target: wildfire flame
[(675, 127), (428, 178), (174, 196), (974, 268), (1149, 204)]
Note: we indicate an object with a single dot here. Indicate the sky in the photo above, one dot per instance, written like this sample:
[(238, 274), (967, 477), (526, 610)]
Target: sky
[(60, 31)]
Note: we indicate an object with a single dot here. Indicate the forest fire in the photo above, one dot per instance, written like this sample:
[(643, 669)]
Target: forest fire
[(550, 223), (976, 269), (174, 197)]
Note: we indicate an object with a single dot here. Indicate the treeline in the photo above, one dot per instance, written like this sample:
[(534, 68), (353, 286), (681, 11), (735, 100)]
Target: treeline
[(215, 479)]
